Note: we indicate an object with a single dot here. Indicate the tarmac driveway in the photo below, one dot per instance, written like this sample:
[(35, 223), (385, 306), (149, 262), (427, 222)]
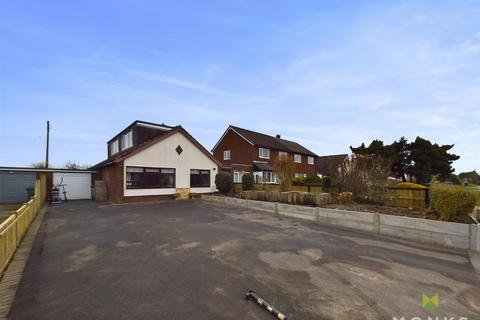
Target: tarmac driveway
[(196, 260)]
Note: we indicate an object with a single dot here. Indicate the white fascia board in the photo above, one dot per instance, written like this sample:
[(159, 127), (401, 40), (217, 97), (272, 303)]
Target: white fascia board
[(154, 126)]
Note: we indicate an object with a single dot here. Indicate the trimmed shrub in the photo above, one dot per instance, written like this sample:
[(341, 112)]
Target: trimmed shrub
[(409, 185), (247, 181), (308, 180), (313, 180), (454, 203), (224, 182), (298, 181)]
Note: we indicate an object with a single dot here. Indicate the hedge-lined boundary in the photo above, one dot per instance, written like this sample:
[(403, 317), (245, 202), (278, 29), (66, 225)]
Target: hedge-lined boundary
[(454, 203)]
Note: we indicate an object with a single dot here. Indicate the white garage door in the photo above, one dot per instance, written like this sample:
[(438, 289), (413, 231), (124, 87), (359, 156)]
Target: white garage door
[(77, 185)]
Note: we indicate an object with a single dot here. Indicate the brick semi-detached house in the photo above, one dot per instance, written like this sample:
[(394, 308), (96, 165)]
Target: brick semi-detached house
[(241, 150)]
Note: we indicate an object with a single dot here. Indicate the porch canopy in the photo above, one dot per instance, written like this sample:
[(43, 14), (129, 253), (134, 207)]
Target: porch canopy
[(260, 166)]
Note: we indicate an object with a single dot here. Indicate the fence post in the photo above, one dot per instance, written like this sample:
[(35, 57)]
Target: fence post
[(376, 223), (16, 229), (317, 215)]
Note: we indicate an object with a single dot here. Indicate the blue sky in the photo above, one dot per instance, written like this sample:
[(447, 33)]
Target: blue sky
[(328, 74)]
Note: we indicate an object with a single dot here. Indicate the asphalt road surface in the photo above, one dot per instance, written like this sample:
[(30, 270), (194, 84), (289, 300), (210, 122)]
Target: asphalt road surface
[(196, 260)]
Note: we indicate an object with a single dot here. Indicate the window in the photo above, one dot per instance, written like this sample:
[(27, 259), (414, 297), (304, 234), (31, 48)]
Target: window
[(127, 140), (297, 158), (264, 153), (282, 153), (237, 176), (226, 155), (311, 160), (298, 175), (114, 147), (265, 177), (145, 178), (199, 178)]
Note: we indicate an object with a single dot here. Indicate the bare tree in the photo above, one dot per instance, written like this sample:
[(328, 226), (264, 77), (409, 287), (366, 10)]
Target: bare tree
[(39, 165), (73, 165), (365, 177), (284, 167)]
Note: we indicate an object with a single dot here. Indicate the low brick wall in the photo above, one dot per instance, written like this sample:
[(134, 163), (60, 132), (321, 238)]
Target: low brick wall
[(447, 234)]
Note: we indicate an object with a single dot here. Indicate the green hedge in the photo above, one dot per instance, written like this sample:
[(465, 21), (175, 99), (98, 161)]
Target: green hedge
[(224, 182), (247, 181), (307, 181), (454, 203)]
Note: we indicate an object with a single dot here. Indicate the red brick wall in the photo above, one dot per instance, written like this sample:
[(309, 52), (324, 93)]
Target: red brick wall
[(242, 152), (113, 177)]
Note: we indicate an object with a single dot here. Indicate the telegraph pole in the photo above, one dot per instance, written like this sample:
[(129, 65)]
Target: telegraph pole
[(48, 141)]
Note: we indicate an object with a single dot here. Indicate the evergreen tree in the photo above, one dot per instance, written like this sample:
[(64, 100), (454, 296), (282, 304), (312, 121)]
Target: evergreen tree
[(420, 158)]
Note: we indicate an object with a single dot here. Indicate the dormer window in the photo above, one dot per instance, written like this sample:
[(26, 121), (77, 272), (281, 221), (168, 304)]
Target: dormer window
[(114, 147), (127, 140)]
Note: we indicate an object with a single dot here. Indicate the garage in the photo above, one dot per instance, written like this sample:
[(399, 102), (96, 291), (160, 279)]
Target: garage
[(17, 183), (14, 186), (77, 185)]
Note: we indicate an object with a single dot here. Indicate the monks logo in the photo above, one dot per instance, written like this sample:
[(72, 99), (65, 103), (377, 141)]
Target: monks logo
[(430, 303)]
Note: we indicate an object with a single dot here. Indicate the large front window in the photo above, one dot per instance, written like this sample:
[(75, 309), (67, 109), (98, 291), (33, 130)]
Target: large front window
[(199, 178), (265, 177), (145, 178), (264, 153)]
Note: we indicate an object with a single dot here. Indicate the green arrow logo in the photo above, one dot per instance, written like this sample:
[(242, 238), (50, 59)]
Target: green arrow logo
[(430, 303)]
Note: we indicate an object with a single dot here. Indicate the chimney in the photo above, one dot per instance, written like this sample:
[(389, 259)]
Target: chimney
[(278, 136)]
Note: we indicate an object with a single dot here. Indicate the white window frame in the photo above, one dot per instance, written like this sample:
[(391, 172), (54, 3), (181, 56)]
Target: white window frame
[(227, 154), (295, 158), (237, 176), (300, 175), (114, 147), (260, 155), (127, 140), (265, 177), (282, 153), (311, 160)]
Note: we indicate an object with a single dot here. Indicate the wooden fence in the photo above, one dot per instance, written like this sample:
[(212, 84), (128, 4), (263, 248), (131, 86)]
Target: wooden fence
[(13, 229), (237, 188), (408, 197)]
